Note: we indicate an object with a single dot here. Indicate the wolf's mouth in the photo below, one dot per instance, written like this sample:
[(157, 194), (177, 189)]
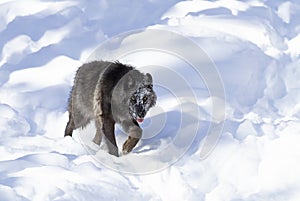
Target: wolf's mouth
[(140, 120), (137, 118)]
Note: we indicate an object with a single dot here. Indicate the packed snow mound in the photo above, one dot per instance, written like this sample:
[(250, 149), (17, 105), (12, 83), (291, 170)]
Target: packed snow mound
[(255, 48)]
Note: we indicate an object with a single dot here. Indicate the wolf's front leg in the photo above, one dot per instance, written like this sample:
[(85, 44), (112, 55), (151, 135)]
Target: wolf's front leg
[(134, 135), (108, 129)]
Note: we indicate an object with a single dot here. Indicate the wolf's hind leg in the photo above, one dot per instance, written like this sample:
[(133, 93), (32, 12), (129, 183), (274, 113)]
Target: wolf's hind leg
[(98, 137), (70, 125)]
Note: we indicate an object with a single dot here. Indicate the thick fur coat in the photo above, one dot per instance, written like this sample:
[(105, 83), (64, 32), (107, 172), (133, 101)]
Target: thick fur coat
[(109, 93)]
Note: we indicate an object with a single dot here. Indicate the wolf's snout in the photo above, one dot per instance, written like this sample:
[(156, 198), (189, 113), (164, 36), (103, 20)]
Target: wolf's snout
[(140, 111)]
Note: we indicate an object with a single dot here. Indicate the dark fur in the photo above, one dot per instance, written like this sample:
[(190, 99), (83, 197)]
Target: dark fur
[(103, 92)]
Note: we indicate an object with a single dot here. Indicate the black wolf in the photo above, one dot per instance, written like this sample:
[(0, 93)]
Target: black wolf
[(109, 93)]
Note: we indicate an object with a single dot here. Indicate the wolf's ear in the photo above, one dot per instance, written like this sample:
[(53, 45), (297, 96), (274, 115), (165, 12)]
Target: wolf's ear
[(148, 79)]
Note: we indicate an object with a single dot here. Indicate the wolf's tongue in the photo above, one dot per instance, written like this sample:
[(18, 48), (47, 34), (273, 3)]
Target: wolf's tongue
[(140, 120)]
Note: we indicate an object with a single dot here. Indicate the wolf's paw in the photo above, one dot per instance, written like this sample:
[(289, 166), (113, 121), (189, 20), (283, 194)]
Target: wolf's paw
[(127, 147)]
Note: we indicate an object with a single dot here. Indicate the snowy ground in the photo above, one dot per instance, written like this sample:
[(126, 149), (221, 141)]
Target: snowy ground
[(254, 45)]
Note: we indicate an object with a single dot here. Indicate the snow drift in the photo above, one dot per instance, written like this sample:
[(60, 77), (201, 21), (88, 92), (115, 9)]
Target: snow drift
[(254, 46)]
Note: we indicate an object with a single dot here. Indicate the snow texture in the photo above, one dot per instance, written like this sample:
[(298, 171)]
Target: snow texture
[(254, 45)]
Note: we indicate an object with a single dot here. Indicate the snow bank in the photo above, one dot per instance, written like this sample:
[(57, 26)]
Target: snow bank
[(254, 48)]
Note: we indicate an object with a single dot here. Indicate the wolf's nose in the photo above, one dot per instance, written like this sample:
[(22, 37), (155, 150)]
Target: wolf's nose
[(141, 113)]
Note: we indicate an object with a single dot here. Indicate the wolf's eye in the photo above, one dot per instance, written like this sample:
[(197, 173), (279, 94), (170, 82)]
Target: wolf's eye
[(132, 98), (145, 98)]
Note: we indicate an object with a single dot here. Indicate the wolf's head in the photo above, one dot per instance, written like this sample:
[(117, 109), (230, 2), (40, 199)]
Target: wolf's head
[(142, 99), (133, 96)]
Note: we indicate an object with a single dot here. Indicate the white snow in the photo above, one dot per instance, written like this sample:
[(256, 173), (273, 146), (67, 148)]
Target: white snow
[(254, 46)]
